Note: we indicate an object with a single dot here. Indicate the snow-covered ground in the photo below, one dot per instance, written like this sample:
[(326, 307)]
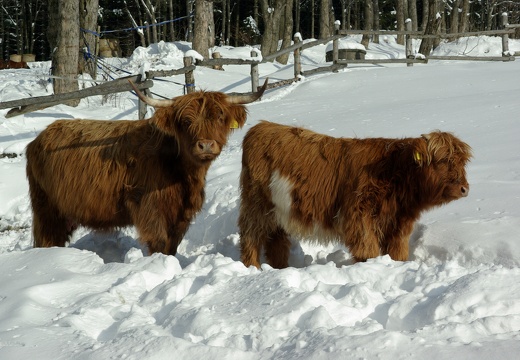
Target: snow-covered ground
[(457, 297)]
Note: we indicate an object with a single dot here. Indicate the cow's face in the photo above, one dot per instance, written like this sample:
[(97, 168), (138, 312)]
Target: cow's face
[(201, 123), (445, 158), (453, 174)]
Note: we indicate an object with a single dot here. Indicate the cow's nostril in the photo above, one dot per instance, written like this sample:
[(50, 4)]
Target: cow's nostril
[(206, 145), (464, 191)]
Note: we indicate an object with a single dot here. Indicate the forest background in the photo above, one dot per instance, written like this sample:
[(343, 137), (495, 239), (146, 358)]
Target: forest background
[(30, 26), (48, 29)]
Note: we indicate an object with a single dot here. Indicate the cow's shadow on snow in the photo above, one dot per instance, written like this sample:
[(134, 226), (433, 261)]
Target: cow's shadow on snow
[(113, 247), (109, 246)]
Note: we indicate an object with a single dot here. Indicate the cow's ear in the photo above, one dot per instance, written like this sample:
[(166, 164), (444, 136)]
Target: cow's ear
[(238, 114), (166, 120)]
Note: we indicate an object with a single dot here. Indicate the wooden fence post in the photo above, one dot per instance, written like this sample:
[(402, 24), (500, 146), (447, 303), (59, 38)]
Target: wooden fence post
[(216, 55), (297, 59), (505, 37), (254, 73), (335, 42), (188, 76), (408, 41)]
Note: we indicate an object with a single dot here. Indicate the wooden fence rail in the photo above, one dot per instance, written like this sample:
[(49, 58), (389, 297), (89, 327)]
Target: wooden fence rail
[(27, 105), (36, 103)]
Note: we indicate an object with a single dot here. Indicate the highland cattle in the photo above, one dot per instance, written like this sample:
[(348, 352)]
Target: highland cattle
[(365, 193), (148, 173)]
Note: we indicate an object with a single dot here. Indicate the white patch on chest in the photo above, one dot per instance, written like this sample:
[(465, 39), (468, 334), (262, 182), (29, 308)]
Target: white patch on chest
[(281, 189)]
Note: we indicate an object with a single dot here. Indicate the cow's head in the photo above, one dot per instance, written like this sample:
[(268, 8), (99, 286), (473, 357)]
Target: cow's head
[(443, 158), (201, 121)]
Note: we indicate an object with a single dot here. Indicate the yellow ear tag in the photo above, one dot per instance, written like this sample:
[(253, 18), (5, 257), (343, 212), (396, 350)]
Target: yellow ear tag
[(417, 156), (234, 124)]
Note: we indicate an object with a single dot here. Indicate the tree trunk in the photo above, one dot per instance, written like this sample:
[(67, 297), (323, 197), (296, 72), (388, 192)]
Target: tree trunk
[(464, 16), (225, 14), (344, 14), (412, 11), (204, 31), (153, 20), (369, 21), (256, 16), (454, 18), (2, 31), (286, 31), (424, 20), (135, 25), (348, 25), (88, 10), (313, 15), (237, 23), (271, 17), (400, 10), (377, 26), (325, 28), (64, 15), (432, 28), (189, 10), (171, 29), (228, 23), (440, 25), (490, 10), (297, 14)]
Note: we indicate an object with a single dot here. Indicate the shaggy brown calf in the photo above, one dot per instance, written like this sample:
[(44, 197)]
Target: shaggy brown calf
[(13, 65), (366, 193), (148, 173)]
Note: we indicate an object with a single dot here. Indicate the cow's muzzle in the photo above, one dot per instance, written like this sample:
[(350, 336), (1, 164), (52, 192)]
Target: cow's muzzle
[(207, 149), (207, 146)]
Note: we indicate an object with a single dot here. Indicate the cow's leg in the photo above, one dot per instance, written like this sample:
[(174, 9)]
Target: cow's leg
[(254, 222), (160, 227), (364, 244), (367, 250), (250, 250), (278, 248), (49, 228), (253, 237), (396, 243), (160, 235), (175, 236)]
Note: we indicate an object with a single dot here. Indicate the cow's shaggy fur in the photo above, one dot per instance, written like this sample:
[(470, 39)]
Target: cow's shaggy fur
[(365, 193), (110, 174)]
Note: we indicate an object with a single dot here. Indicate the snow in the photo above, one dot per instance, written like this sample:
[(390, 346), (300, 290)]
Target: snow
[(195, 55), (347, 43), (458, 296)]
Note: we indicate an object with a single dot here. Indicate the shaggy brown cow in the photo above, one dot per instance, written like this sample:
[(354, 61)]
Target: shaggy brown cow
[(13, 65), (147, 173), (366, 193)]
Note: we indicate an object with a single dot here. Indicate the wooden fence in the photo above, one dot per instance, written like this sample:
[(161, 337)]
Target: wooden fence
[(120, 85), (410, 57), (23, 106)]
